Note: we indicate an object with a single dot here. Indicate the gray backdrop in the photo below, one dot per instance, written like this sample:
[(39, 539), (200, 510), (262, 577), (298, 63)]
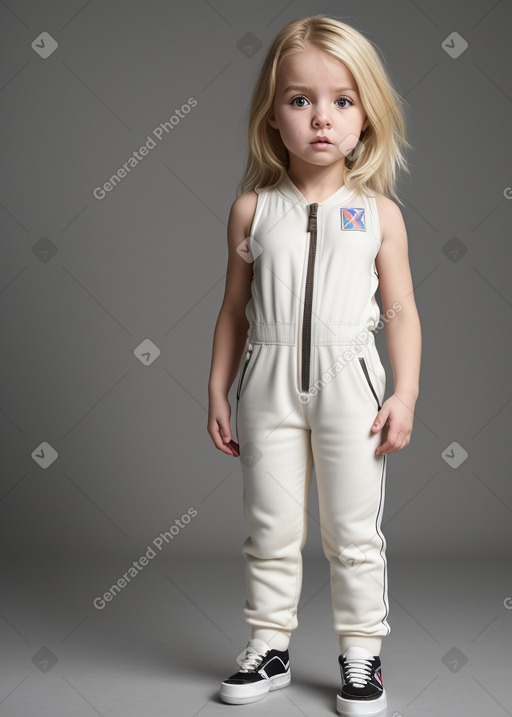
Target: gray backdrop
[(109, 303)]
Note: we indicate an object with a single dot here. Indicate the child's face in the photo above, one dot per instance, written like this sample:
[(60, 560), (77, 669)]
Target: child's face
[(321, 107)]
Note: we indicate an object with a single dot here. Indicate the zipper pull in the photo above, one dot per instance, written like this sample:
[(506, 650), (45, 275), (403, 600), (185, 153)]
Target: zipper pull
[(312, 221)]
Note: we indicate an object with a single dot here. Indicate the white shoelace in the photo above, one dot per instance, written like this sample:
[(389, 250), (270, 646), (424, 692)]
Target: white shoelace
[(359, 671), (251, 661)]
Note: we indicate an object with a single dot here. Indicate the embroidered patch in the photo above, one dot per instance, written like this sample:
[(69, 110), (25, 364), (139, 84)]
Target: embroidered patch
[(353, 219)]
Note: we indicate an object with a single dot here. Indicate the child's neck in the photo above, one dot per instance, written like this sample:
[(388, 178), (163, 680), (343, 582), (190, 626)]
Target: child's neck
[(318, 183)]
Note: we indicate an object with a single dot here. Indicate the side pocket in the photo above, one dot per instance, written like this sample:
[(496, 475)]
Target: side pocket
[(363, 365), (248, 356), (247, 360)]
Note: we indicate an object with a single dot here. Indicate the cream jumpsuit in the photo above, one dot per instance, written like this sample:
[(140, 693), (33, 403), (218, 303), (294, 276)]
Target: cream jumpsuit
[(309, 386)]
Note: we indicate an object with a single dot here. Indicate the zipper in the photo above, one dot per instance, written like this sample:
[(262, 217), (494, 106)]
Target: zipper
[(308, 298), (244, 369), (366, 373)]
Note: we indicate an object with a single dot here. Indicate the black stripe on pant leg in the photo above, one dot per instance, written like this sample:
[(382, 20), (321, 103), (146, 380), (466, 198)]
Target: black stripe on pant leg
[(379, 533)]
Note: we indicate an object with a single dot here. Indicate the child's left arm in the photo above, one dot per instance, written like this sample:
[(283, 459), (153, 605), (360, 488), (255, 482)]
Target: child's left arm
[(403, 329)]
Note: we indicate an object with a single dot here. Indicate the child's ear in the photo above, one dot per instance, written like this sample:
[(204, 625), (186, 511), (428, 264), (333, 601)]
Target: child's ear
[(272, 120)]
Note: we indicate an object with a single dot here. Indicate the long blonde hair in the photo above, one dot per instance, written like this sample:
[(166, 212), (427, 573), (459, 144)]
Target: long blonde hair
[(372, 170)]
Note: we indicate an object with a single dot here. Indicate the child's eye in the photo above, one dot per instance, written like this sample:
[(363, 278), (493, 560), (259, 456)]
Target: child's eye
[(340, 99)]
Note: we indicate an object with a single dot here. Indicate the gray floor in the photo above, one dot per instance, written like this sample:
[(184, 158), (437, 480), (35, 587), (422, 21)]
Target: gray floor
[(162, 646)]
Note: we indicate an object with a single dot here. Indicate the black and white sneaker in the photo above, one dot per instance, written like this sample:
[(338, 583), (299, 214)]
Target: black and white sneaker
[(262, 670), (362, 689)]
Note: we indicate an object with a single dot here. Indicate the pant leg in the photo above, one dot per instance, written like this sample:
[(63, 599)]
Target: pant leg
[(277, 467), (351, 491)]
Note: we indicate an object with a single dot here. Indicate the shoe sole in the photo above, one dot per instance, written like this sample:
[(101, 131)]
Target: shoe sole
[(361, 707), (242, 695)]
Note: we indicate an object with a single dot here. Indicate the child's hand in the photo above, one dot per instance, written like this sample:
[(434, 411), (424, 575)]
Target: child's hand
[(219, 426), (396, 419)]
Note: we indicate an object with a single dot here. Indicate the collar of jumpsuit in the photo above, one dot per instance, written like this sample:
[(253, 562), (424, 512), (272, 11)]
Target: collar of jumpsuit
[(287, 189)]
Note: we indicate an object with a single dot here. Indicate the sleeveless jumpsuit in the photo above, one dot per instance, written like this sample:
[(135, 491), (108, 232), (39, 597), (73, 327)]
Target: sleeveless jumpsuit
[(309, 386)]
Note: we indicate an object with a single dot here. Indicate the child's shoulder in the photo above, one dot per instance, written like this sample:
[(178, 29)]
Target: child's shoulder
[(242, 210), (246, 199), (390, 216), (385, 205)]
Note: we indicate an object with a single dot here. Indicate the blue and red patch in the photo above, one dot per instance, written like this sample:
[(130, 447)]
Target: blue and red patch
[(353, 219)]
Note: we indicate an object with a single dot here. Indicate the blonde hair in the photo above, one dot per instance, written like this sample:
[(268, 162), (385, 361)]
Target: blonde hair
[(372, 170)]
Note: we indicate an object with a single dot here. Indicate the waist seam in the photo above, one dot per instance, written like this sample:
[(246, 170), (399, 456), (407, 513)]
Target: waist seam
[(322, 334)]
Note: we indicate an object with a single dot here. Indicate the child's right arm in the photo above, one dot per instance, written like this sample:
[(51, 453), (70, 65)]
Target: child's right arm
[(232, 325)]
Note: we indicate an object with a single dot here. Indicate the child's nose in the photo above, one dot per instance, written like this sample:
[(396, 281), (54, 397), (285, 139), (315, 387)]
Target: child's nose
[(321, 118)]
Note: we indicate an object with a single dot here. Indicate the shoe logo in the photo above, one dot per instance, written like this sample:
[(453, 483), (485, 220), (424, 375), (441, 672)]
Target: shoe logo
[(353, 219), (276, 666), (378, 675)]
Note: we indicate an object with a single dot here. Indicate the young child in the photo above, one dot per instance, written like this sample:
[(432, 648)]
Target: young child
[(310, 241)]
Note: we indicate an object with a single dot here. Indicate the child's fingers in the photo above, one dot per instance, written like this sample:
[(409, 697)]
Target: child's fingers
[(222, 436), (380, 420), (396, 439), (225, 432)]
